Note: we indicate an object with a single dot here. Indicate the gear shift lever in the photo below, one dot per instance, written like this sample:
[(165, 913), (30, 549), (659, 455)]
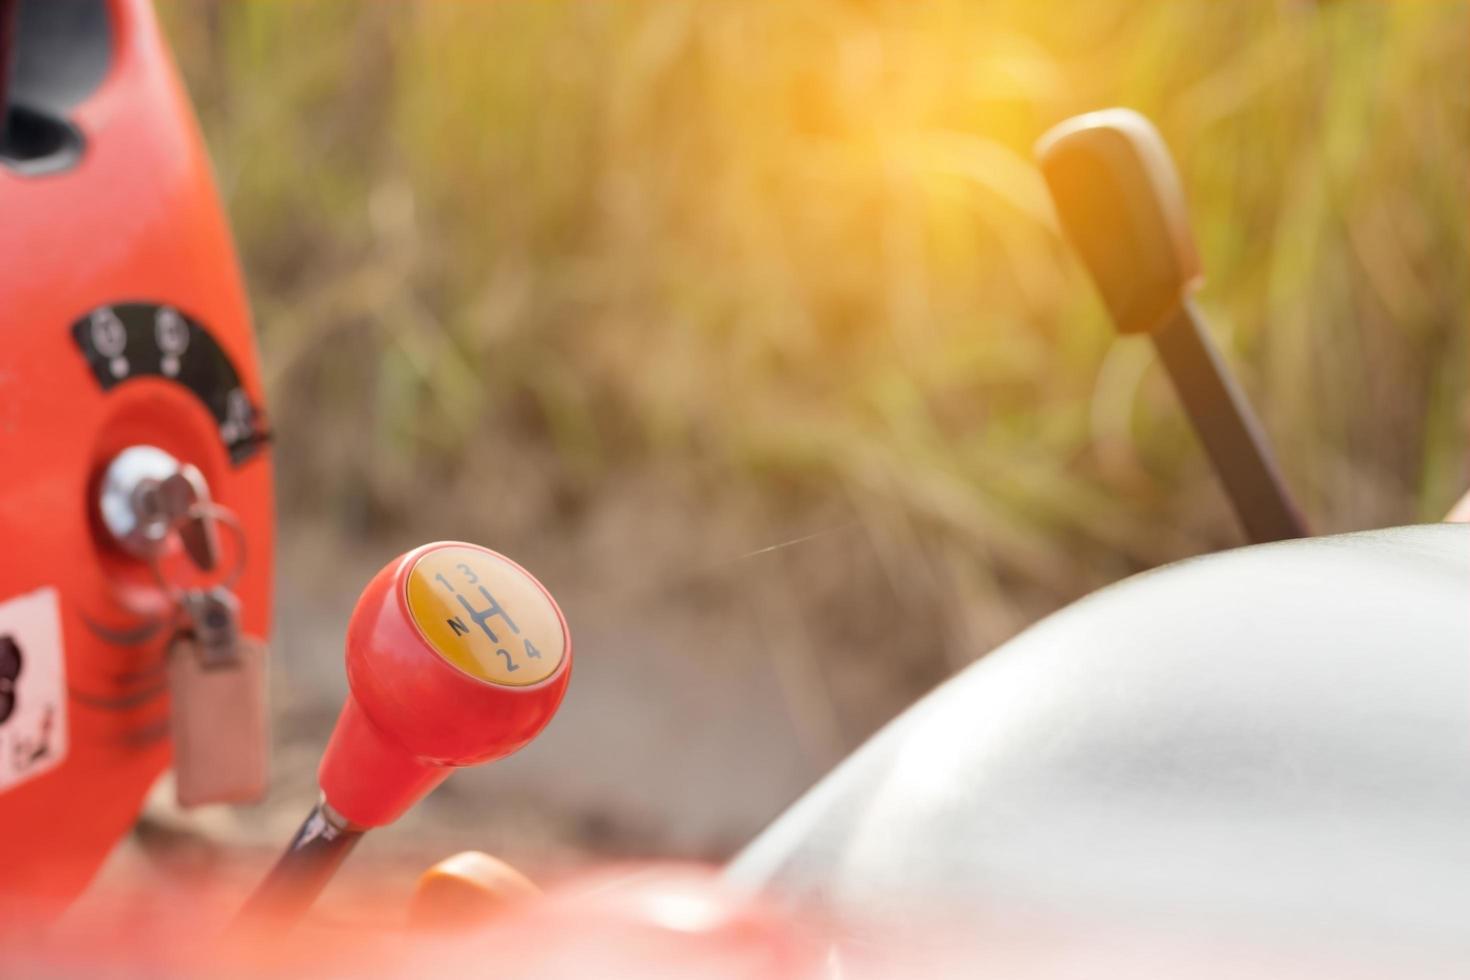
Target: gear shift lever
[(456, 656)]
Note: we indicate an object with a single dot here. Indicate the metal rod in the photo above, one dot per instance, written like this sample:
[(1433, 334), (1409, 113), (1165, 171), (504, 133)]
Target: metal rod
[(313, 856), (1231, 434)]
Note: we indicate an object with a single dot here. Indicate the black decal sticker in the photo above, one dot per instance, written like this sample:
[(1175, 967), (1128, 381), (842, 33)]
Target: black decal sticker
[(130, 340)]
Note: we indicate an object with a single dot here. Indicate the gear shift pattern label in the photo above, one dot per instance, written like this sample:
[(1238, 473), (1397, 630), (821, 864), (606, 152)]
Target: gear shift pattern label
[(486, 616), (32, 688)]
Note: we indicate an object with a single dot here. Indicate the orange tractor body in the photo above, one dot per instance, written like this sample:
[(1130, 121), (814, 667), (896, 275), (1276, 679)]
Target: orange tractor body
[(124, 323)]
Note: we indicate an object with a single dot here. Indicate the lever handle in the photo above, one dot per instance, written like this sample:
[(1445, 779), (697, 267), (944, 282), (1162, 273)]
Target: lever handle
[(466, 889), (456, 655), (1119, 200)]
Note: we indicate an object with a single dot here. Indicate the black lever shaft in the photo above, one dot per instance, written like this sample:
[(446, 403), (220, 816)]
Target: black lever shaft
[(1229, 430), (298, 877)]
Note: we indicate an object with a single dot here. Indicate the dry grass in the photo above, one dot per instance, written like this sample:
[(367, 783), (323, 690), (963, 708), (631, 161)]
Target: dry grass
[(790, 263)]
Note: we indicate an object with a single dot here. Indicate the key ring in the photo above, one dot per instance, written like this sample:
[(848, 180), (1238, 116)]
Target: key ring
[(221, 515)]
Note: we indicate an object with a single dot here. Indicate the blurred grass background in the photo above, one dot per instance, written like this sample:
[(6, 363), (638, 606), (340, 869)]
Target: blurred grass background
[(633, 289)]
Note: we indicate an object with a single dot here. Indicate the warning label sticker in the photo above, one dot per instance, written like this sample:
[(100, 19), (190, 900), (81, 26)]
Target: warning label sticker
[(32, 687)]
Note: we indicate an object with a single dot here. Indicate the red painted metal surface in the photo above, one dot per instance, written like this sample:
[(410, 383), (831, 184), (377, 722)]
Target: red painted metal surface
[(136, 220)]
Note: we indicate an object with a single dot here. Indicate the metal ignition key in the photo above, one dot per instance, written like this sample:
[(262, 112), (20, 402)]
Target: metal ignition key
[(147, 494), (217, 683), (184, 497)]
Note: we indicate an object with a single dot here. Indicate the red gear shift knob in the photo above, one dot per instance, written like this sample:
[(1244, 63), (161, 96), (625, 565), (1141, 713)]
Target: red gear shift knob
[(456, 655)]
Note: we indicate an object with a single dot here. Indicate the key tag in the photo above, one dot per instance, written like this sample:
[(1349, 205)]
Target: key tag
[(217, 681)]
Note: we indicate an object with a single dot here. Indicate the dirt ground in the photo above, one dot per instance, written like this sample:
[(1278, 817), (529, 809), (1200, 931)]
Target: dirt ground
[(702, 702)]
